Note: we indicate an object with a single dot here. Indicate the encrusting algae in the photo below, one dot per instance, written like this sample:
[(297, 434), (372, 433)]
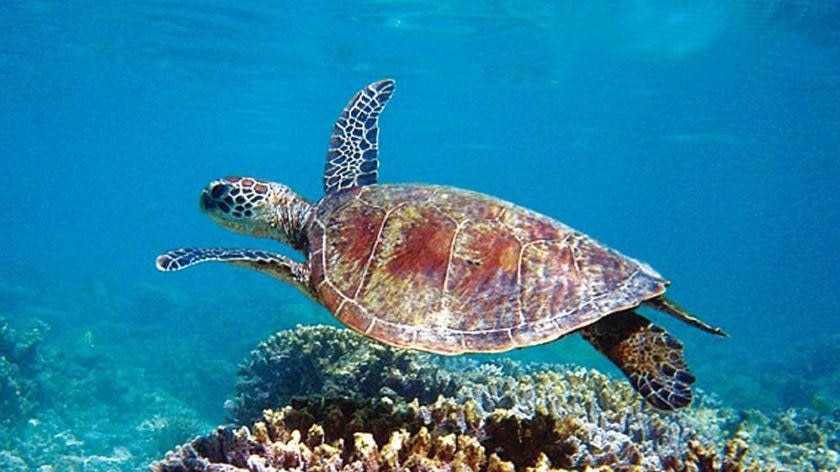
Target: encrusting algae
[(362, 406)]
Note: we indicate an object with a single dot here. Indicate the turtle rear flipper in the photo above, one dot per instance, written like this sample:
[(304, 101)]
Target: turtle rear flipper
[(650, 357)]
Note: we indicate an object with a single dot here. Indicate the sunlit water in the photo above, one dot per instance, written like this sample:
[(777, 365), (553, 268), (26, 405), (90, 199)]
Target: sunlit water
[(700, 137)]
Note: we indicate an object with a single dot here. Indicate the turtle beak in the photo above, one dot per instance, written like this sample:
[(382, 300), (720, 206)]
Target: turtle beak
[(205, 203)]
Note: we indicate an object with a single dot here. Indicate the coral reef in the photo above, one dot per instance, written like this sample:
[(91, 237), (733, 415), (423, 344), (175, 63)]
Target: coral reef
[(794, 437), (81, 410), (107, 389), (705, 459), (339, 402), (312, 363), (19, 369), (84, 432), (280, 449), (795, 374), (273, 445), (808, 375), (325, 361), (335, 401)]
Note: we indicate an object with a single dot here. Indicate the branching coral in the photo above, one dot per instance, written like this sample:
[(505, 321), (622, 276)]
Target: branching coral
[(326, 371), (796, 438), (619, 427), (229, 450), (702, 458), (273, 445), (343, 403)]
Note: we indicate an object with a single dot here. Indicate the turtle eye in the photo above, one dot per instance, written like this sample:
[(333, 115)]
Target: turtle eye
[(217, 190)]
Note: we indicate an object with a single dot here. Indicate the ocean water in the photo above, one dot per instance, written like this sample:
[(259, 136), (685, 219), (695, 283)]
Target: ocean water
[(701, 137)]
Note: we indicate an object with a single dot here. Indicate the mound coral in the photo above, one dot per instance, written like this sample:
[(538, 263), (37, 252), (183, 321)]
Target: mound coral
[(325, 361)]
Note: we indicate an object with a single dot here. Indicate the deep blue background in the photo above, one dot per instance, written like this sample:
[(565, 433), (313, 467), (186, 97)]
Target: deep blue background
[(700, 137)]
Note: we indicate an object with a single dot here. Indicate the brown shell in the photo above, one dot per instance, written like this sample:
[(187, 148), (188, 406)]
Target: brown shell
[(451, 271)]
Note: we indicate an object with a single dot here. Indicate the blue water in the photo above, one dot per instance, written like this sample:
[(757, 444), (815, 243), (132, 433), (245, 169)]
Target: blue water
[(701, 137)]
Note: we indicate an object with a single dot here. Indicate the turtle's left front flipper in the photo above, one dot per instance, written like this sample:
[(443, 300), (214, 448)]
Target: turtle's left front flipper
[(650, 357), (275, 265)]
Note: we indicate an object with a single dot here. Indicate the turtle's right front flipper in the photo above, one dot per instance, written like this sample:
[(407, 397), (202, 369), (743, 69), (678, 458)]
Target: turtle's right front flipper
[(275, 265)]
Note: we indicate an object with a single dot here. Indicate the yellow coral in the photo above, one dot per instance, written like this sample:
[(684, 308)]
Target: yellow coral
[(470, 455), (542, 464), (315, 436), (497, 465), (391, 451), (422, 444), (445, 447), (364, 447), (260, 432)]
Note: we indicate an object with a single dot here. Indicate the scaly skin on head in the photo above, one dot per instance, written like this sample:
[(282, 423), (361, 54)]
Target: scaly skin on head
[(257, 208)]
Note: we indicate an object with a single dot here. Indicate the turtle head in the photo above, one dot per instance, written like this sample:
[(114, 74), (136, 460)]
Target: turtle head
[(257, 208)]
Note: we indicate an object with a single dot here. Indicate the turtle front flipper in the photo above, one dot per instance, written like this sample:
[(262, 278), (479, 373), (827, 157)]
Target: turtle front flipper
[(650, 357), (353, 160), (275, 265)]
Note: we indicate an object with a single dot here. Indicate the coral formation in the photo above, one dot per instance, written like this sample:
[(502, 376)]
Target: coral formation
[(794, 437), (19, 369), (273, 445), (795, 374), (325, 361), (106, 390), (80, 411), (808, 375), (335, 401), (360, 405)]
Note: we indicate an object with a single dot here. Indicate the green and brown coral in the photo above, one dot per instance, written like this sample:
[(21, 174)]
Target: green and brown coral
[(335, 401), (273, 445)]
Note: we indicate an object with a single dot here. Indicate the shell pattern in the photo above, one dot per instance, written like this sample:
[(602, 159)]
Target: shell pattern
[(451, 271)]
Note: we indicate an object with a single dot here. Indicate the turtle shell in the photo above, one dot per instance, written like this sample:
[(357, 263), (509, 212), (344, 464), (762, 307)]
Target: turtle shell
[(451, 271)]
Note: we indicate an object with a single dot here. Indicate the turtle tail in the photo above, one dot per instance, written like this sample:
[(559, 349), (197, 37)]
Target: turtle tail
[(666, 305), (651, 358)]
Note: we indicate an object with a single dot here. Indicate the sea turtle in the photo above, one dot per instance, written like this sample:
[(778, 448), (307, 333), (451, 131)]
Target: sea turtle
[(446, 270)]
